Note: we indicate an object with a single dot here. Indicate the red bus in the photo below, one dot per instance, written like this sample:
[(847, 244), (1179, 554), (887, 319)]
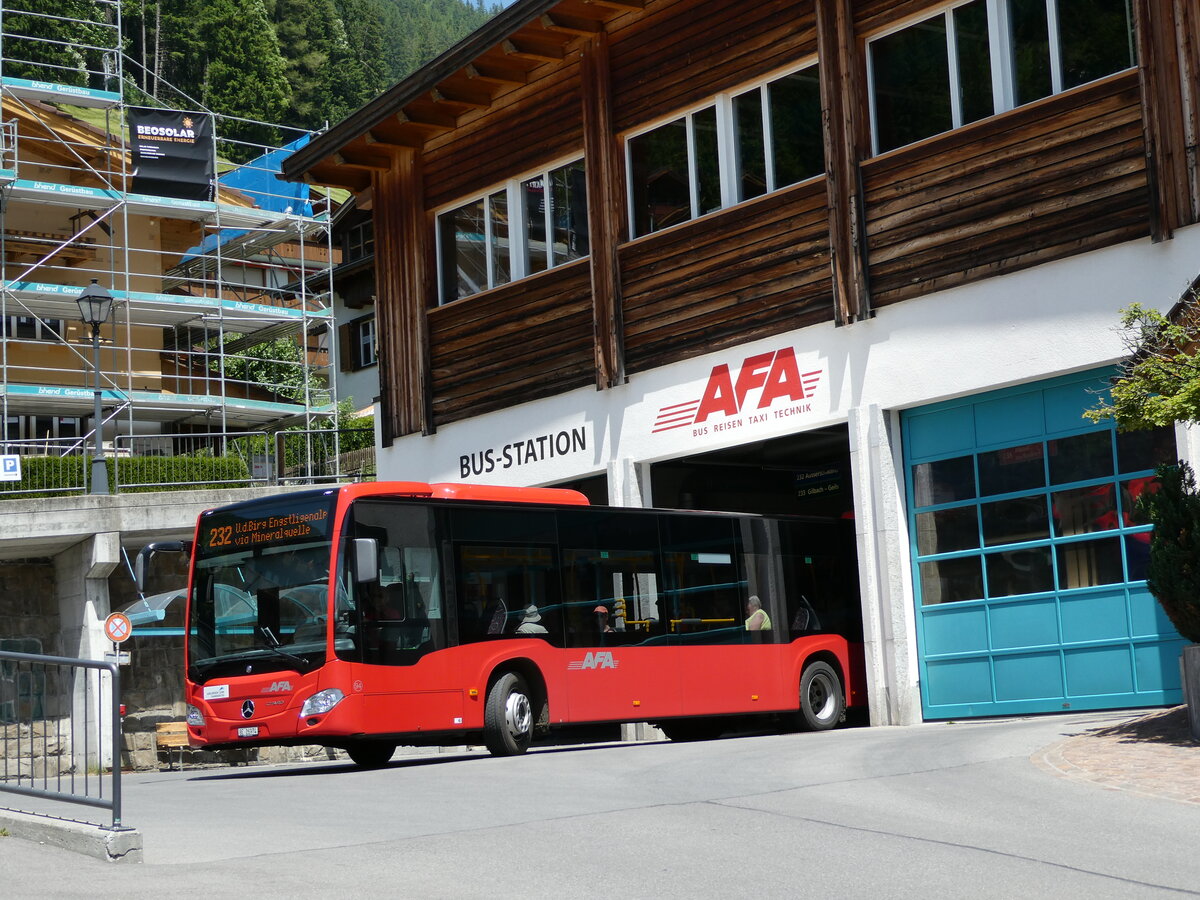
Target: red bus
[(372, 615)]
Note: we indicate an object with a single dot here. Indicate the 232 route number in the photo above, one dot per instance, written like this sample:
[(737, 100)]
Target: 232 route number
[(220, 536)]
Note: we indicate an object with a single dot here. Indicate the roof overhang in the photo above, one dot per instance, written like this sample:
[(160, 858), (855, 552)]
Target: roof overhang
[(500, 57)]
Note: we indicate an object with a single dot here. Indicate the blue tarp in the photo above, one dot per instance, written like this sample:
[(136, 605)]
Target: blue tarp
[(256, 179)]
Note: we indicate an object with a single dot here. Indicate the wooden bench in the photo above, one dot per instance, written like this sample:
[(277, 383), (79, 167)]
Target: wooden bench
[(171, 736)]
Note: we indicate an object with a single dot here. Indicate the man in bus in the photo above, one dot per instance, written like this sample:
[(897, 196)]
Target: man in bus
[(602, 624), (756, 617)]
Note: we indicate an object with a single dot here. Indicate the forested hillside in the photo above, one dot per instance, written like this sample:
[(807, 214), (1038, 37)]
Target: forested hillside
[(295, 62)]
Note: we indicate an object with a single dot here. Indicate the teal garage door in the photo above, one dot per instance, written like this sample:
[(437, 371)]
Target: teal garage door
[(1029, 556)]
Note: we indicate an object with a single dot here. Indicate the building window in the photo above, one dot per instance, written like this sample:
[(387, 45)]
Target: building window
[(40, 428), (364, 338), (737, 147), (31, 328), (983, 57), (527, 226), (356, 344), (360, 241)]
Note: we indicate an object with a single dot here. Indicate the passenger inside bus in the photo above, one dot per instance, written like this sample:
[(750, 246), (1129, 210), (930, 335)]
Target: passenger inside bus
[(531, 621), (756, 617)]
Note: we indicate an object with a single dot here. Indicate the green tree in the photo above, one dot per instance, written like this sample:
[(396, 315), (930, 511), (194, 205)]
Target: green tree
[(1159, 382), (244, 73), (1173, 573), (1159, 385), (64, 41)]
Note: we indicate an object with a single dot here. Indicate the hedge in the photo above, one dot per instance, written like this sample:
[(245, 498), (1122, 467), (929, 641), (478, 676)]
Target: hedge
[(54, 476)]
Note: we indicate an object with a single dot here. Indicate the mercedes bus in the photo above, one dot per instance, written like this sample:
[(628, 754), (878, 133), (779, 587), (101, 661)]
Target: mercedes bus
[(366, 616)]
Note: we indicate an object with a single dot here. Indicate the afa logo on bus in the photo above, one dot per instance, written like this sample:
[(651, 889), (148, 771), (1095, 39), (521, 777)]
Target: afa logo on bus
[(600, 659)]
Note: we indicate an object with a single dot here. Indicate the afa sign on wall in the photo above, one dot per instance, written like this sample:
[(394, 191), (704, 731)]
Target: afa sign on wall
[(757, 392), (172, 153)]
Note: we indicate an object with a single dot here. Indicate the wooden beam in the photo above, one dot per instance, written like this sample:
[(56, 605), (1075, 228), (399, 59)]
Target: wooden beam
[(402, 276), (1163, 65), (393, 136), (463, 97), (328, 173), (352, 160), (842, 101), (619, 5), (536, 51), (601, 149), (428, 117), (490, 73), (575, 25)]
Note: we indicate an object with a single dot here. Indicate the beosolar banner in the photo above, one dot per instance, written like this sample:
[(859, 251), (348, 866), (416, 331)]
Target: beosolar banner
[(172, 153)]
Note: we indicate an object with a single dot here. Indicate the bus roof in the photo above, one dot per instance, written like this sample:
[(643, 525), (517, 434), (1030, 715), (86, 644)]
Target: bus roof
[(493, 493)]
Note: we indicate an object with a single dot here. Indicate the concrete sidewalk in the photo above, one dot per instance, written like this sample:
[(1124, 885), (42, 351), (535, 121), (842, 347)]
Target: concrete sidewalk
[(1152, 754)]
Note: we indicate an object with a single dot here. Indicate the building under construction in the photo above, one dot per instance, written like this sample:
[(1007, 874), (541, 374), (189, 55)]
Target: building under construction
[(219, 272)]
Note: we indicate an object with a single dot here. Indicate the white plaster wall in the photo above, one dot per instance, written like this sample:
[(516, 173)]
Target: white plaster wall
[(1053, 319)]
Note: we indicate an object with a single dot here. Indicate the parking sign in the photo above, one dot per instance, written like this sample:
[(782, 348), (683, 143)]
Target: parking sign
[(10, 467)]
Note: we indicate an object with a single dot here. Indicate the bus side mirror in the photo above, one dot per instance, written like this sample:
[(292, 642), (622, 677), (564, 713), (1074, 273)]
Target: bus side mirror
[(143, 558), (366, 560)]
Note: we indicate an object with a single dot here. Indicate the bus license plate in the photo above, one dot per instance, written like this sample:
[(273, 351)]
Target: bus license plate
[(252, 731)]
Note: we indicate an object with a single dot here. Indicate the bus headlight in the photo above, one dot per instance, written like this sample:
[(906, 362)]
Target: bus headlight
[(195, 718), (321, 702)]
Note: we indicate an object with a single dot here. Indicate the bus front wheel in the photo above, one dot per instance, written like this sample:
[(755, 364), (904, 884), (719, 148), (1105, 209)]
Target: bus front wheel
[(508, 716), (821, 699), (371, 754)]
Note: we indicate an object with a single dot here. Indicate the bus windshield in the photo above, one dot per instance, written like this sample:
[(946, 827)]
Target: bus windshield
[(260, 587)]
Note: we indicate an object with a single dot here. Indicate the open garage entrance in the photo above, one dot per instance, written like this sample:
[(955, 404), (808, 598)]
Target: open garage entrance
[(804, 474)]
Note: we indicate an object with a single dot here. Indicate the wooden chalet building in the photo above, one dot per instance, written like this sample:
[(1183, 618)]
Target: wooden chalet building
[(856, 258)]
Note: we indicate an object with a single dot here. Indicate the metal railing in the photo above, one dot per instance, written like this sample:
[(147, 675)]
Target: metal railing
[(60, 731), (59, 466), (169, 461), (317, 455), (48, 465)]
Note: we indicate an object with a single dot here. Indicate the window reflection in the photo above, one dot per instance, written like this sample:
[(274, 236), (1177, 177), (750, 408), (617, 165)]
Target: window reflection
[(660, 177), (1137, 555), (1083, 510), (1026, 571), (1089, 563), (1031, 49), (951, 580), (1011, 469), (947, 530), (796, 142), (1081, 457), (1138, 451), (752, 162), (464, 251), (944, 480), (1132, 492), (1095, 38), (569, 213), (911, 74), (1014, 521), (974, 61)]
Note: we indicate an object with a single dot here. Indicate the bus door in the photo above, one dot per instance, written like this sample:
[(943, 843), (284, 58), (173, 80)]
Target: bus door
[(725, 649), (616, 666)]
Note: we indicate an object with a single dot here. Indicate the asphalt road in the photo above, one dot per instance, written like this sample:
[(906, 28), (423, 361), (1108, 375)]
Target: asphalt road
[(936, 810)]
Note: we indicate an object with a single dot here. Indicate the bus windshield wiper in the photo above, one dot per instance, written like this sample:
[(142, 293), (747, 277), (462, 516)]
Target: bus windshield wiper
[(272, 643)]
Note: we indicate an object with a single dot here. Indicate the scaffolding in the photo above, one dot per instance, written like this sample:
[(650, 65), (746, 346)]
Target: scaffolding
[(222, 314)]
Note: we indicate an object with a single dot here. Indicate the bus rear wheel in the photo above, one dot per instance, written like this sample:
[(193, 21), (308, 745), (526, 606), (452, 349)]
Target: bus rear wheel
[(822, 701), (371, 754), (508, 716)]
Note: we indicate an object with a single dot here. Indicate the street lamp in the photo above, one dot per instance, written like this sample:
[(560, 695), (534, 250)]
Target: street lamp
[(95, 304)]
